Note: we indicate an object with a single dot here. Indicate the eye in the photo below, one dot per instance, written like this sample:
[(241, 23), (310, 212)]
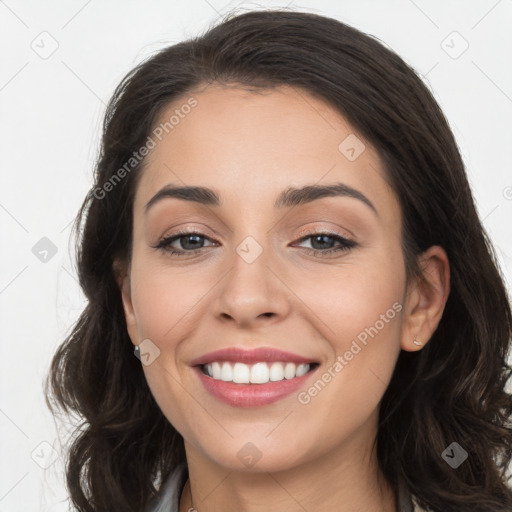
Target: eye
[(322, 243), (190, 242)]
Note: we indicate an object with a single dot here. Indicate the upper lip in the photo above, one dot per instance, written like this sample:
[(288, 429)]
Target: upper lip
[(250, 356)]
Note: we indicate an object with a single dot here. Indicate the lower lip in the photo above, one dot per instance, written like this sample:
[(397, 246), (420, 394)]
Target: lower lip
[(251, 395)]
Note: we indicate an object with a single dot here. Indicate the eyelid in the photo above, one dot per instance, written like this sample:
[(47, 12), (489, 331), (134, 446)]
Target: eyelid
[(176, 235), (347, 243), (303, 233), (326, 231), (188, 230)]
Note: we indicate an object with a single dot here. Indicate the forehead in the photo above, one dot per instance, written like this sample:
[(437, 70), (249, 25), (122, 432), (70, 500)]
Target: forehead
[(250, 145)]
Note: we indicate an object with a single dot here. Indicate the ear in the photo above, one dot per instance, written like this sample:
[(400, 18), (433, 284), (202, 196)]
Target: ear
[(122, 275), (426, 299)]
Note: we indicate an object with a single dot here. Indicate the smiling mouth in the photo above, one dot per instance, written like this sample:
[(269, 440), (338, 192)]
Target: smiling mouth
[(258, 373)]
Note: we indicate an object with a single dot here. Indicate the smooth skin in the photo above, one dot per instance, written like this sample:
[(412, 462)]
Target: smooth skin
[(249, 146)]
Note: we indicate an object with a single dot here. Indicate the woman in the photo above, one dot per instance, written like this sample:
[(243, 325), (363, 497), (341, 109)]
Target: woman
[(281, 230)]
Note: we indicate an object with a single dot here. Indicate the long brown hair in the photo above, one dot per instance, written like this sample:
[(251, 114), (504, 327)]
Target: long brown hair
[(452, 390)]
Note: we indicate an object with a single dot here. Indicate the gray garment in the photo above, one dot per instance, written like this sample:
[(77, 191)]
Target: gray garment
[(170, 493)]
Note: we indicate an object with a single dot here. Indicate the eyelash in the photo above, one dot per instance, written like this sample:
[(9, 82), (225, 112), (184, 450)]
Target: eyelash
[(165, 242)]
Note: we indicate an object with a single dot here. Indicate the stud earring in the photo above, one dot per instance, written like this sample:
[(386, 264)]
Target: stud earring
[(416, 342)]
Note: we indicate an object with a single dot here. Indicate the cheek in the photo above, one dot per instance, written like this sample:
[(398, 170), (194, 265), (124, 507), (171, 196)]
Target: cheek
[(356, 299), (162, 298), (360, 319), (359, 313)]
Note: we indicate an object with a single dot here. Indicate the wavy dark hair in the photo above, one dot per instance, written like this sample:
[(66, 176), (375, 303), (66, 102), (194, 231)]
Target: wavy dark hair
[(452, 390)]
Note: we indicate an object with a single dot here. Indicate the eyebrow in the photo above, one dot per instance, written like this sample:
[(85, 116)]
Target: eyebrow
[(288, 198)]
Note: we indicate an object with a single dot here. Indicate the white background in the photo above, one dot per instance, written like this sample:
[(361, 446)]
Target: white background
[(51, 110)]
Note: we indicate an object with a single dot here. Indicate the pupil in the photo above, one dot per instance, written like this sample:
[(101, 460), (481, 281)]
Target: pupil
[(187, 238), (322, 239)]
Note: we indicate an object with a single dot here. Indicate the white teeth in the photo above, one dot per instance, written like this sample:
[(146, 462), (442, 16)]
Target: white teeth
[(302, 369), (276, 372), (241, 373), (259, 373), (289, 371), (227, 372), (215, 370)]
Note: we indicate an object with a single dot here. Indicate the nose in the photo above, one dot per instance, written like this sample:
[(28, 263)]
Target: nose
[(252, 292)]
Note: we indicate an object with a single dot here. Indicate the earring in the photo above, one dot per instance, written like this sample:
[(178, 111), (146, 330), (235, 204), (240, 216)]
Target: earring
[(416, 342), (136, 352)]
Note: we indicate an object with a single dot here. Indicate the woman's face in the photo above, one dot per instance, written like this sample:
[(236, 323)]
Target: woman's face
[(262, 279)]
